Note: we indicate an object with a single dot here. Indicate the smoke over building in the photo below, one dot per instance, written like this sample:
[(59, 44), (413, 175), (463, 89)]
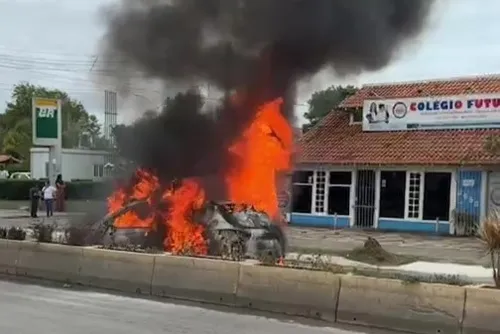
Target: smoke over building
[(258, 48)]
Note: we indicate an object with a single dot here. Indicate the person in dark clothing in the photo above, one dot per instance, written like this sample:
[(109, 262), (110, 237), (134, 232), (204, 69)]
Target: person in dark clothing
[(35, 200), (61, 187)]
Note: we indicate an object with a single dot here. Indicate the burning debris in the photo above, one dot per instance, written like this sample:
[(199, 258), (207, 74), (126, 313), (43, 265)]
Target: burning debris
[(257, 50), (193, 225)]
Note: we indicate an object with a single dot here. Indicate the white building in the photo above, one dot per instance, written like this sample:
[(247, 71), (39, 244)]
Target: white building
[(76, 164), (426, 168)]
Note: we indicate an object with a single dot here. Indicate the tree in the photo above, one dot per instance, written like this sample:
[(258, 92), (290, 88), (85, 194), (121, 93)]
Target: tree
[(492, 145), (324, 101), (15, 123)]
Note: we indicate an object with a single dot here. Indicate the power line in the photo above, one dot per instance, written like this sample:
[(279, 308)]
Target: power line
[(86, 82), (55, 68), (44, 52)]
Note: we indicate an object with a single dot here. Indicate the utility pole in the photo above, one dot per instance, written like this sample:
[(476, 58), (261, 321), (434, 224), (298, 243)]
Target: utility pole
[(228, 75)]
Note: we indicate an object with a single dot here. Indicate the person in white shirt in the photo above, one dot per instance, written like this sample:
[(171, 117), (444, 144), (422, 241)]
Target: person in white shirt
[(49, 194), (3, 173)]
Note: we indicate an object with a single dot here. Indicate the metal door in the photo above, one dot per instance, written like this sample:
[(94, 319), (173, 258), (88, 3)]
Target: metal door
[(364, 203), (467, 214)]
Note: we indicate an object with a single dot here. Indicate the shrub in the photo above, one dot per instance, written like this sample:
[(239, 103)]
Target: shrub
[(17, 190), (88, 190), (77, 236), (490, 233), (43, 232), (16, 233)]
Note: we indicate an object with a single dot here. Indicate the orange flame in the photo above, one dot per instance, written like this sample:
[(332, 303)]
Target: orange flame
[(262, 151), (143, 190), (185, 236)]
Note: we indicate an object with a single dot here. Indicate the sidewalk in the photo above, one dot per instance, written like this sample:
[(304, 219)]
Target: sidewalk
[(474, 274), (421, 247), (433, 255), (21, 213), (21, 218), (325, 241)]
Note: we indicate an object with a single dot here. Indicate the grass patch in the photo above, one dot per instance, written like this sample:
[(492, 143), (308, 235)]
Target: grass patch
[(12, 233), (132, 249), (43, 232), (316, 263), (372, 253), (405, 278), (412, 278)]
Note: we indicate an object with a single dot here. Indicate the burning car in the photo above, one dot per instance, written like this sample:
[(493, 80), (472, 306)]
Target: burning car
[(218, 228), (180, 206), (237, 231)]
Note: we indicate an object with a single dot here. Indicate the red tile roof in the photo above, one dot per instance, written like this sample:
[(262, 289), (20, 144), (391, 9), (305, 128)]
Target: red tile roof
[(457, 86), (8, 159), (334, 141)]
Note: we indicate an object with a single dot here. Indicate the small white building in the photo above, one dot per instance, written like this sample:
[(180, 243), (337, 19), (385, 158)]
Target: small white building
[(75, 163)]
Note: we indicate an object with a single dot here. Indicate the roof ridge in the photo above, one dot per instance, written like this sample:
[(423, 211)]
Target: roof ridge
[(430, 81)]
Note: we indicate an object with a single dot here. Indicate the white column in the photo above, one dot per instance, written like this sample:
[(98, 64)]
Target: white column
[(484, 196), (453, 199), (52, 164), (352, 200), (313, 197), (376, 212)]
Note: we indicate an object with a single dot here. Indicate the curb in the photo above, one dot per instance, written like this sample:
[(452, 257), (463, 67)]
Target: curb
[(419, 308)]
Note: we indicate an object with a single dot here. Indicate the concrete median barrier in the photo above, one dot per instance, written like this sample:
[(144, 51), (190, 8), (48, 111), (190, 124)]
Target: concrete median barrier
[(204, 280), (397, 305), (9, 254), (482, 311), (49, 261), (307, 293), (115, 270), (366, 301)]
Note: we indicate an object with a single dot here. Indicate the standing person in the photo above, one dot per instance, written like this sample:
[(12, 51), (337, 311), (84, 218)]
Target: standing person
[(4, 174), (49, 193), (60, 207), (35, 199)]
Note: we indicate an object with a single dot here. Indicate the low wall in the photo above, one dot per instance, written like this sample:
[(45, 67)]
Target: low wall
[(71, 205), (391, 304)]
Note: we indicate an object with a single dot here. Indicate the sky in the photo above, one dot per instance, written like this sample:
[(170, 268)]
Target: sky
[(55, 43)]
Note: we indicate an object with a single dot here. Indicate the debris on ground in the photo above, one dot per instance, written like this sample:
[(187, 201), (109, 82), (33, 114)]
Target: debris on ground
[(372, 252)]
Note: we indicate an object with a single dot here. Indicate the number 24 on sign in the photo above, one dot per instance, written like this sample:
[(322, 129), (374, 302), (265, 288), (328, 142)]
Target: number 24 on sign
[(46, 113)]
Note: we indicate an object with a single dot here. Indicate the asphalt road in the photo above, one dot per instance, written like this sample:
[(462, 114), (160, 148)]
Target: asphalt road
[(32, 309)]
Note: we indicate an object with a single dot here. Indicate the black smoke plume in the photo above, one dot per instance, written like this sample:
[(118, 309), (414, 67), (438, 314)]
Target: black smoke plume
[(259, 47)]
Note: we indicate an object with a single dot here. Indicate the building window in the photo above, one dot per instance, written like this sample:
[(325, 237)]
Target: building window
[(392, 194), (437, 196), (302, 191), (98, 171), (414, 194), (319, 198), (356, 116), (339, 193)]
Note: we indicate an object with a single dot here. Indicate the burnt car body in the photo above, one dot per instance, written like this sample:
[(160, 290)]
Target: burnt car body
[(236, 232), (233, 232)]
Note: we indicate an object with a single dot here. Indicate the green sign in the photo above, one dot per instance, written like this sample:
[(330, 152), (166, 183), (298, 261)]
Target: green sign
[(46, 122)]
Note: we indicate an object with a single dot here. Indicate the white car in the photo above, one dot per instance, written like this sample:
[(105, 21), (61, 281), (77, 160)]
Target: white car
[(20, 176)]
